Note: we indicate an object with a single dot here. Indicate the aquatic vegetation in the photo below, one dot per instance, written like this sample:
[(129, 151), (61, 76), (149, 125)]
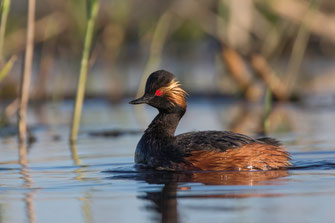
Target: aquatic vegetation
[(5, 6), (93, 11), (26, 75)]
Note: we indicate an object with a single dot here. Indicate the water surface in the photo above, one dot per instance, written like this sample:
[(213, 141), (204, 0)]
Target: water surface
[(95, 180)]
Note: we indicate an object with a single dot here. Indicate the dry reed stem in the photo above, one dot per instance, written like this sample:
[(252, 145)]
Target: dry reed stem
[(236, 67), (25, 83), (23, 161), (264, 71), (238, 71)]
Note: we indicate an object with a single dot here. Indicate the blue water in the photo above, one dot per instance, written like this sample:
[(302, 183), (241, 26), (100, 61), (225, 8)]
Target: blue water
[(95, 181)]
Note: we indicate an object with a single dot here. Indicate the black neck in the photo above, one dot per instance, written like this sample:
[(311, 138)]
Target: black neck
[(165, 123)]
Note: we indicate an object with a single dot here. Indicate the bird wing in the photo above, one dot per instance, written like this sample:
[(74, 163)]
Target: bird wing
[(213, 140), (216, 150)]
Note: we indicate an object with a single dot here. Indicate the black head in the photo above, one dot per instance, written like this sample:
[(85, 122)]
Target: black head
[(163, 92)]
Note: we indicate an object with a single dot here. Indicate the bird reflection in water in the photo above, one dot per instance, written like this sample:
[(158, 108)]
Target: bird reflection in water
[(164, 202)]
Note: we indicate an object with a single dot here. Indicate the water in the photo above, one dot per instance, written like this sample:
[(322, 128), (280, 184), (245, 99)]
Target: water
[(95, 181)]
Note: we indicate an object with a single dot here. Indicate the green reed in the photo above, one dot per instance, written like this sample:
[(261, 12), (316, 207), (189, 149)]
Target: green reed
[(93, 8), (5, 5), (7, 68)]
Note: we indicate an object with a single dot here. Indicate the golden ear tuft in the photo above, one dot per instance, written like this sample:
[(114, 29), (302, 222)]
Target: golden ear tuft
[(175, 94)]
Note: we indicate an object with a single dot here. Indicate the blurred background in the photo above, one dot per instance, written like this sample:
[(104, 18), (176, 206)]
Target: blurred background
[(233, 57), (216, 48)]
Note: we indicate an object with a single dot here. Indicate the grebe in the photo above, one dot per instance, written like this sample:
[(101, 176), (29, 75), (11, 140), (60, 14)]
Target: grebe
[(160, 149)]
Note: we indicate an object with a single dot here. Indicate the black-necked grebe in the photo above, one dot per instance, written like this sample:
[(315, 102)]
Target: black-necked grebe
[(159, 148)]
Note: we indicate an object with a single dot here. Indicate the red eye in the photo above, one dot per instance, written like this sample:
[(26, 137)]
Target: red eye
[(158, 93)]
